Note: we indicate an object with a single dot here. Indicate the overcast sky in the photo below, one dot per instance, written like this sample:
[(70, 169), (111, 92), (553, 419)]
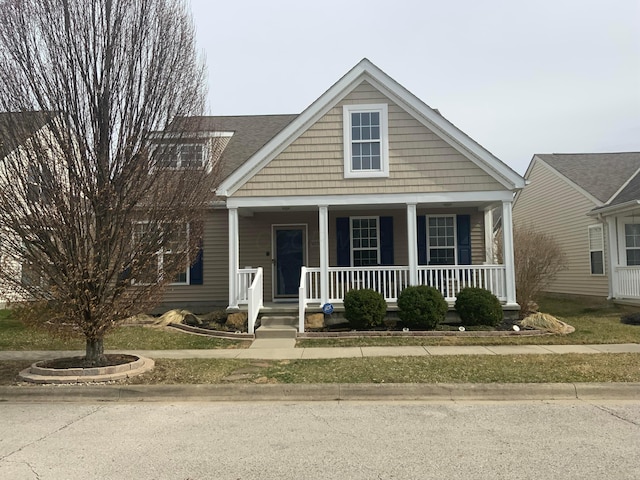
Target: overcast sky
[(519, 77)]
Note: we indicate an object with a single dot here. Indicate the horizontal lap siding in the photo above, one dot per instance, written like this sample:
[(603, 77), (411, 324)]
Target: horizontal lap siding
[(256, 245), (214, 288), (419, 160), (548, 203)]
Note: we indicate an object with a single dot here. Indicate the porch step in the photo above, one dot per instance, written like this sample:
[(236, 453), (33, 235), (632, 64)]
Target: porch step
[(277, 327)]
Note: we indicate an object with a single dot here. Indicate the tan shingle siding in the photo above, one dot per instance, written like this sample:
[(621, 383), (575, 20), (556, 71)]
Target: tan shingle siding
[(556, 208), (419, 160)]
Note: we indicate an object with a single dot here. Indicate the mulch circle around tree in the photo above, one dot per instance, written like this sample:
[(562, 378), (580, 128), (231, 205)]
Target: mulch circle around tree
[(80, 362)]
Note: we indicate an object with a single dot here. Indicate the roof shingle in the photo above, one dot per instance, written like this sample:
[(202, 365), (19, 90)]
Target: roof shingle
[(600, 174)]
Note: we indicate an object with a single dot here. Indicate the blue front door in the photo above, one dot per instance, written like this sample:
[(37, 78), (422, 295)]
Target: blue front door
[(289, 258)]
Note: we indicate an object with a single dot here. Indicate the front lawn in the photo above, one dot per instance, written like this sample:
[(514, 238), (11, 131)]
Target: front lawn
[(14, 335)]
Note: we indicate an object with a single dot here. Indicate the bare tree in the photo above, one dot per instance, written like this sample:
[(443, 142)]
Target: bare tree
[(538, 259), (103, 182)]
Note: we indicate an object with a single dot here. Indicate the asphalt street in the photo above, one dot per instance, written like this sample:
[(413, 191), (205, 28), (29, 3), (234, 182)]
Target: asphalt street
[(320, 440)]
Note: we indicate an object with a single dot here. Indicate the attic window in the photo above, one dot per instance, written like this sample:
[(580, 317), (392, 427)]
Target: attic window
[(366, 151), (187, 155)]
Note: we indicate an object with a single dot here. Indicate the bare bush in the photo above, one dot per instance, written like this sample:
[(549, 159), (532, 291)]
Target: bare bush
[(538, 259)]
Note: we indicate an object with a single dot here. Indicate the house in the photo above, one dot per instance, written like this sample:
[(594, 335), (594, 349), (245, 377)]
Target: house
[(367, 188), (590, 204), (16, 131)]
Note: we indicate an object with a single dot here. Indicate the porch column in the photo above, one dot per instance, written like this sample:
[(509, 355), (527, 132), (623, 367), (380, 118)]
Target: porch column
[(508, 258), (612, 247), (234, 263), (412, 243), (488, 236), (323, 219)]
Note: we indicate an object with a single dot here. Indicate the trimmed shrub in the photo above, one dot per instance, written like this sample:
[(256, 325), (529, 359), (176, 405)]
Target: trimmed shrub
[(631, 318), (364, 309), (422, 307), (477, 306)]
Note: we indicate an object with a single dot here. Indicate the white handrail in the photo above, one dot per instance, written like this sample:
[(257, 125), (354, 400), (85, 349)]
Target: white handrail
[(255, 299)]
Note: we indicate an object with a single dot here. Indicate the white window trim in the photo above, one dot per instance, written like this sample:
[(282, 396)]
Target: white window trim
[(160, 257), (590, 229), (352, 248), (455, 237), (383, 109), (205, 165), (622, 238)]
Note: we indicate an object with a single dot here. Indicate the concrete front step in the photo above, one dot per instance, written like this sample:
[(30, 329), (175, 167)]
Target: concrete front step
[(276, 331), (279, 321)]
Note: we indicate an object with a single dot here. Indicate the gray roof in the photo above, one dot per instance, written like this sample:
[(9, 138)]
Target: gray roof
[(17, 127), (250, 133), (600, 174)]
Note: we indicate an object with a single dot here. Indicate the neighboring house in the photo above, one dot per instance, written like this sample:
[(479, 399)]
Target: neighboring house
[(367, 188), (590, 204), (24, 126)]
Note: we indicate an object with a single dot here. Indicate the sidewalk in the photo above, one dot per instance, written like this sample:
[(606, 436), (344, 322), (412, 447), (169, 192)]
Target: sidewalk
[(276, 350)]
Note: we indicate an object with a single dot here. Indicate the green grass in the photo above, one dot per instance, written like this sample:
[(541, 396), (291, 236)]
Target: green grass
[(568, 368), (14, 335), (595, 321), (433, 369)]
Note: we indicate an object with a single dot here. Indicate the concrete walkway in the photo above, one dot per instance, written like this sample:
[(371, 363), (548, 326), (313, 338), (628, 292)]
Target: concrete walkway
[(283, 350)]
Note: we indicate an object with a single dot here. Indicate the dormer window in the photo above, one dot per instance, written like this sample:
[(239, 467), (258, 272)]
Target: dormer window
[(187, 155), (366, 147)]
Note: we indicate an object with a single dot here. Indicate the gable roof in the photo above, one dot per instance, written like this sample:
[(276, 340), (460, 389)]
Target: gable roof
[(17, 127), (365, 70), (602, 175)]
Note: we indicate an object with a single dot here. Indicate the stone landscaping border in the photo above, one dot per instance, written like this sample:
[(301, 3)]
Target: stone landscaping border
[(37, 374)]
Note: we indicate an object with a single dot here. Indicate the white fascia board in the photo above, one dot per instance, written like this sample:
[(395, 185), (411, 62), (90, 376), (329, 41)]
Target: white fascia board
[(446, 130), (370, 199), (614, 209), (569, 182)]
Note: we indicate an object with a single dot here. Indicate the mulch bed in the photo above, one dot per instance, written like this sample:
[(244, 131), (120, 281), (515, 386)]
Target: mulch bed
[(80, 362)]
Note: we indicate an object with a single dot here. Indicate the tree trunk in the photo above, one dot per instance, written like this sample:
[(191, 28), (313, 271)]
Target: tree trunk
[(95, 352)]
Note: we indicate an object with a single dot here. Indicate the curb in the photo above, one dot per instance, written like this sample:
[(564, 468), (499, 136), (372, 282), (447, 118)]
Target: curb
[(320, 392)]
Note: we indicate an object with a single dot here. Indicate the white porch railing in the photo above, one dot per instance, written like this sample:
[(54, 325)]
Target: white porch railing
[(627, 282), (390, 281), (245, 279), (255, 295), (450, 279)]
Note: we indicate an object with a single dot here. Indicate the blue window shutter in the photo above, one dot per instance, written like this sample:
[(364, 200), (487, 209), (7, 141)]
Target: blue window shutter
[(463, 225), (196, 275), (124, 275), (343, 242), (422, 239), (386, 240)]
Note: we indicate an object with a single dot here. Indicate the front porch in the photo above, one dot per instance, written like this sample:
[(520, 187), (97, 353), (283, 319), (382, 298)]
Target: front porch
[(388, 281), (316, 254)]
